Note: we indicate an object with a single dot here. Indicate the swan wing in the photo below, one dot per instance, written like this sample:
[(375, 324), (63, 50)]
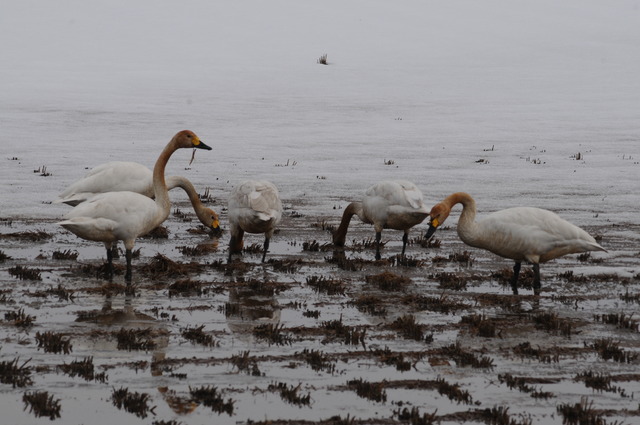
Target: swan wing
[(531, 234), (110, 177)]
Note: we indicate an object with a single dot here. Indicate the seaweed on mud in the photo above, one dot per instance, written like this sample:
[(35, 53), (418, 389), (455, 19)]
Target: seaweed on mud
[(409, 328), (313, 314), (245, 363), (83, 368), (132, 402), (325, 285), (525, 278), (163, 422), (290, 394), (526, 350), (285, 266), (19, 318), (254, 248), (198, 336), (465, 258), (522, 385), (369, 390), (464, 358), (162, 266), (451, 281), (52, 342), (315, 246), (607, 349), (370, 304), (272, 333), (61, 292), (31, 236), (630, 298), (40, 403), (25, 273), (620, 320), (552, 323), (335, 329), (442, 304), (499, 415), (389, 282), (159, 232), (405, 261), (580, 413), (15, 375), (480, 325), (413, 416), (347, 264), (3, 256), (318, 360), (211, 397), (324, 225), (186, 287), (391, 358), (198, 250), (453, 392), (65, 255), (134, 339)]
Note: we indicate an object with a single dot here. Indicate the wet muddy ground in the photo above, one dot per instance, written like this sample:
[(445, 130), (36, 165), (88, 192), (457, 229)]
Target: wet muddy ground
[(315, 334)]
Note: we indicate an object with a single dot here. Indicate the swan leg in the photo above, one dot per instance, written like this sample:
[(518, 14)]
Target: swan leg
[(536, 279), (109, 263), (127, 275), (378, 238), (405, 240), (514, 279), (235, 243), (266, 248)]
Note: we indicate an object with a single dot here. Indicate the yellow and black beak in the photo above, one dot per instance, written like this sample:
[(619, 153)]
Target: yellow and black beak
[(198, 144), (433, 226)]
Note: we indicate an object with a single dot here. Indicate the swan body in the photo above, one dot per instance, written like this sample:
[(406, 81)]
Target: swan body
[(123, 216), (393, 204), (522, 234), (254, 207), (122, 176)]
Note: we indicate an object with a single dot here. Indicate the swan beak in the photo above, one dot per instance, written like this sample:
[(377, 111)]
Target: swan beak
[(199, 144), (433, 226)]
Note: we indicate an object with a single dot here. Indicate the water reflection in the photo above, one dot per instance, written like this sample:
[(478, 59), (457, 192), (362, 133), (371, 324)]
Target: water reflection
[(250, 307)]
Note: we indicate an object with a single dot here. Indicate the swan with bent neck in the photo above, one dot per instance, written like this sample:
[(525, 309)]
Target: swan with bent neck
[(121, 176), (391, 204), (528, 234), (124, 216)]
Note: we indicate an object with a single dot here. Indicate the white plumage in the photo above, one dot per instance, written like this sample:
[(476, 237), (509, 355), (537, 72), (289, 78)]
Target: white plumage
[(396, 204), (123, 176), (123, 216), (522, 234), (254, 207)]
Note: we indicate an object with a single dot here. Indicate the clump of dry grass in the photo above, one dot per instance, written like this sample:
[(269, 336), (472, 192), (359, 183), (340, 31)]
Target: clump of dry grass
[(387, 281), (132, 402), (40, 403), (198, 336), (290, 393), (134, 339), (83, 368), (325, 285), (211, 397), (369, 390), (52, 342), (245, 363), (25, 273), (14, 375)]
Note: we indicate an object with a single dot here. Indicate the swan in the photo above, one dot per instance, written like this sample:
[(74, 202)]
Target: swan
[(119, 176), (392, 204), (522, 234), (123, 216), (254, 207)]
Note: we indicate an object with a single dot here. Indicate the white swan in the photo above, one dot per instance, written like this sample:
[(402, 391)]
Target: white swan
[(123, 216), (393, 204), (521, 234), (254, 207), (120, 176)]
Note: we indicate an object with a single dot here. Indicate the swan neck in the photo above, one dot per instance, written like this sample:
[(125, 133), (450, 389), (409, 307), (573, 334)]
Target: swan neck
[(352, 208), (187, 186), (466, 222), (160, 190)]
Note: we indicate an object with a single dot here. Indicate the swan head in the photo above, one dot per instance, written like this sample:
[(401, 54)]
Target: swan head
[(188, 139), (437, 216), (209, 218)]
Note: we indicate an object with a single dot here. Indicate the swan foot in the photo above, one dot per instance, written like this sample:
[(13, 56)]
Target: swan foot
[(536, 279), (127, 276)]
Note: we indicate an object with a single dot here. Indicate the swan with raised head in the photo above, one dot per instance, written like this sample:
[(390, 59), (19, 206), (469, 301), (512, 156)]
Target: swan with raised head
[(392, 204), (522, 234), (123, 216), (121, 176), (254, 207)]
